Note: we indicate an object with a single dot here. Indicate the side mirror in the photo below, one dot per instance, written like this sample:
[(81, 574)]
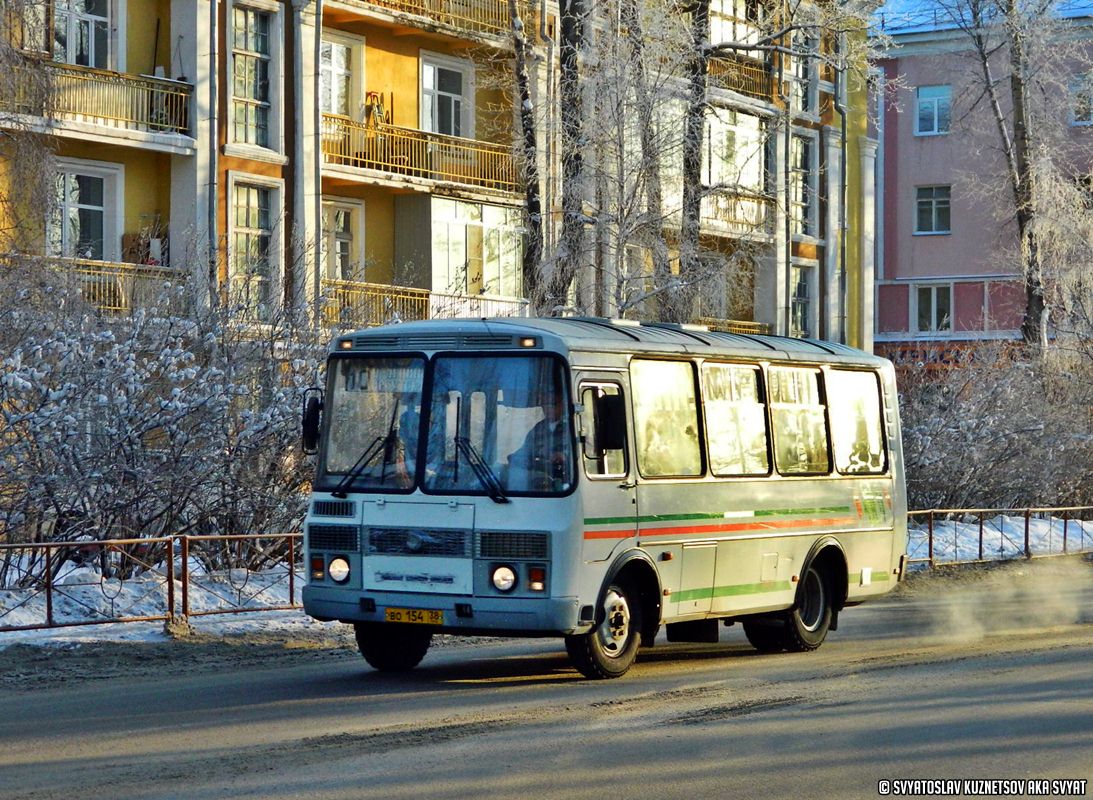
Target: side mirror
[(609, 417), (312, 417)]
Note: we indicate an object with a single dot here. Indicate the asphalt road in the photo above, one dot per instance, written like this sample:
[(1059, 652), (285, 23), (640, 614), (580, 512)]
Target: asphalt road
[(987, 678)]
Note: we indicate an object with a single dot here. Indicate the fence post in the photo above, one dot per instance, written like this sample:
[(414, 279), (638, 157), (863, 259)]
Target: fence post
[(170, 579), (1028, 525), (1066, 517), (930, 536), (981, 516), (185, 577), (291, 570), (49, 586)]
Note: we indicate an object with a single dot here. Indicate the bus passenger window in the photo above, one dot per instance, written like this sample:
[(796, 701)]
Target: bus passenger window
[(736, 425), (797, 412), (665, 418), (598, 460), (857, 435)]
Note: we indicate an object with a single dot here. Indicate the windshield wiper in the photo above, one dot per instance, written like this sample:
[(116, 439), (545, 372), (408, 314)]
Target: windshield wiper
[(365, 459), (481, 470)]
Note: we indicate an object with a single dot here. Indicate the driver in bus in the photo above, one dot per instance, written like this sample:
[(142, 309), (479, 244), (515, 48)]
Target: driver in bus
[(544, 447)]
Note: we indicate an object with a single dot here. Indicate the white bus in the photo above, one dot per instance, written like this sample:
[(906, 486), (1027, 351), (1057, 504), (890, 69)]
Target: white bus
[(595, 480)]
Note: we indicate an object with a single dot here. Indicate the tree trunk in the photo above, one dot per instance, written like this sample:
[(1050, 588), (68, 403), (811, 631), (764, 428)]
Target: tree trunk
[(568, 254), (679, 302), (533, 253)]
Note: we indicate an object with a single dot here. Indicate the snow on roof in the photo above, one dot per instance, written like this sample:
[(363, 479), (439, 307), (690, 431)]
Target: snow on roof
[(902, 17)]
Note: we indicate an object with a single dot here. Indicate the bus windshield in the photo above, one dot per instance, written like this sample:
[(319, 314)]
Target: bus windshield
[(496, 425)]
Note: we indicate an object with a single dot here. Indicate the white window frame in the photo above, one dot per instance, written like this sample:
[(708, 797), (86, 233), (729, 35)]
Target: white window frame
[(812, 270), (933, 331), (275, 150), (935, 103), (811, 81), (813, 207), (277, 219), (115, 38), (934, 206), (113, 176), (468, 108), (356, 45), (356, 209), (1081, 91)]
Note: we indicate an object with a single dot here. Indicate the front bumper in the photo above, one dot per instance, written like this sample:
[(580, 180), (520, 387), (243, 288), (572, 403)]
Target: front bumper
[(512, 616)]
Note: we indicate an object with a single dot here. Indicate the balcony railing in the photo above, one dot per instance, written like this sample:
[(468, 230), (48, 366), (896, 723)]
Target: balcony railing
[(744, 76), (741, 212), (355, 304), (735, 326), (113, 99), (474, 16), (418, 154), (117, 287)]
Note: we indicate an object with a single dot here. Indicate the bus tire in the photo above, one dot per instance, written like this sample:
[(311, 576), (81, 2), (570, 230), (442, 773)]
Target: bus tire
[(392, 648), (810, 618), (766, 636), (608, 650)]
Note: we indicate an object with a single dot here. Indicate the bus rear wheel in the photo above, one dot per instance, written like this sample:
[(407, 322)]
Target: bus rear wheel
[(609, 649), (392, 648), (809, 620)]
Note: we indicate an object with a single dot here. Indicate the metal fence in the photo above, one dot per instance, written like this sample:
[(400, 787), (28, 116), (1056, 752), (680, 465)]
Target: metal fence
[(974, 535), (65, 584)]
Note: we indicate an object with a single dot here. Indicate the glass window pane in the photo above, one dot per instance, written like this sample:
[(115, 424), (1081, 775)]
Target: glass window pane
[(89, 190), (944, 309), (450, 81), (665, 418), (800, 433), (925, 308), (856, 429), (597, 460), (736, 427)]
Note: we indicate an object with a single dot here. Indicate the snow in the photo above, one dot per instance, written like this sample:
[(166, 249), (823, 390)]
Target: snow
[(1003, 537)]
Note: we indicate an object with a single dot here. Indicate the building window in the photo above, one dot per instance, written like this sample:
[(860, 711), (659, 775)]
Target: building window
[(477, 249), (335, 78), (935, 310), (251, 254), (802, 185), (932, 209), (447, 103), (81, 32), (1081, 111), (933, 110), (735, 21), (84, 220), (804, 86), (251, 95), (341, 242), (800, 323)]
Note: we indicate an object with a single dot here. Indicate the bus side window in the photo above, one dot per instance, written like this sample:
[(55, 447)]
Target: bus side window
[(736, 426), (797, 413), (857, 433), (598, 460), (665, 418)]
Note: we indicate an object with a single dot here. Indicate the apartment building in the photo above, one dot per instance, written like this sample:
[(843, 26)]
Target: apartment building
[(355, 159), (946, 275)]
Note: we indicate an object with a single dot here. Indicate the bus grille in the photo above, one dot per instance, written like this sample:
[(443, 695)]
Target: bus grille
[(418, 542), (333, 537), (332, 508), (512, 545)]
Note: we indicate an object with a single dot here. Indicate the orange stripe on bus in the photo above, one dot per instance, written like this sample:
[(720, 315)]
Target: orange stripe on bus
[(728, 527)]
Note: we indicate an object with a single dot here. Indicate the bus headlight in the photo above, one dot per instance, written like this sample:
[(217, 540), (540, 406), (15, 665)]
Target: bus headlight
[(504, 579), (338, 570)]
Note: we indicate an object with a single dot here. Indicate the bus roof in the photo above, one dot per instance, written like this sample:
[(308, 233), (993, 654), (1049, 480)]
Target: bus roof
[(593, 334)]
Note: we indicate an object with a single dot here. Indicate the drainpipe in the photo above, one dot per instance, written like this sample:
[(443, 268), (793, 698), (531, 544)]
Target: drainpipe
[(547, 200), (214, 151), (299, 205), (840, 109), (317, 284)]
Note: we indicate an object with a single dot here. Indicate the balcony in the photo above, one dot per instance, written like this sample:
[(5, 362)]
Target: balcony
[(418, 154), (735, 326), (490, 17), (111, 99), (739, 212), (118, 288), (742, 75), (354, 304)]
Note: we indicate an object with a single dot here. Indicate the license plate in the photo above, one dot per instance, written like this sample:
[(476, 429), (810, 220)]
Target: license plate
[(420, 616)]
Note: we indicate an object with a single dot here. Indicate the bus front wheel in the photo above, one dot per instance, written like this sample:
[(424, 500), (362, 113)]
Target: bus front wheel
[(608, 650), (392, 648)]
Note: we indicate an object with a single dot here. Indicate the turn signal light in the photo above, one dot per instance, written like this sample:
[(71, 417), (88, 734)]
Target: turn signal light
[(318, 568), (537, 579)]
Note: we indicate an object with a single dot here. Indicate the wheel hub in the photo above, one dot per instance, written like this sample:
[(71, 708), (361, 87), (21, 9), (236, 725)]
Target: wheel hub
[(615, 629)]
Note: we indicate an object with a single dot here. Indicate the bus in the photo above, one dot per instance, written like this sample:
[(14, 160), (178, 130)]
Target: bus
[(597, 480)]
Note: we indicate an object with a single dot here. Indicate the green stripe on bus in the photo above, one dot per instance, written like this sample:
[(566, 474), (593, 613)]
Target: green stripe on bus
[(770, 512), (708, 593)]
